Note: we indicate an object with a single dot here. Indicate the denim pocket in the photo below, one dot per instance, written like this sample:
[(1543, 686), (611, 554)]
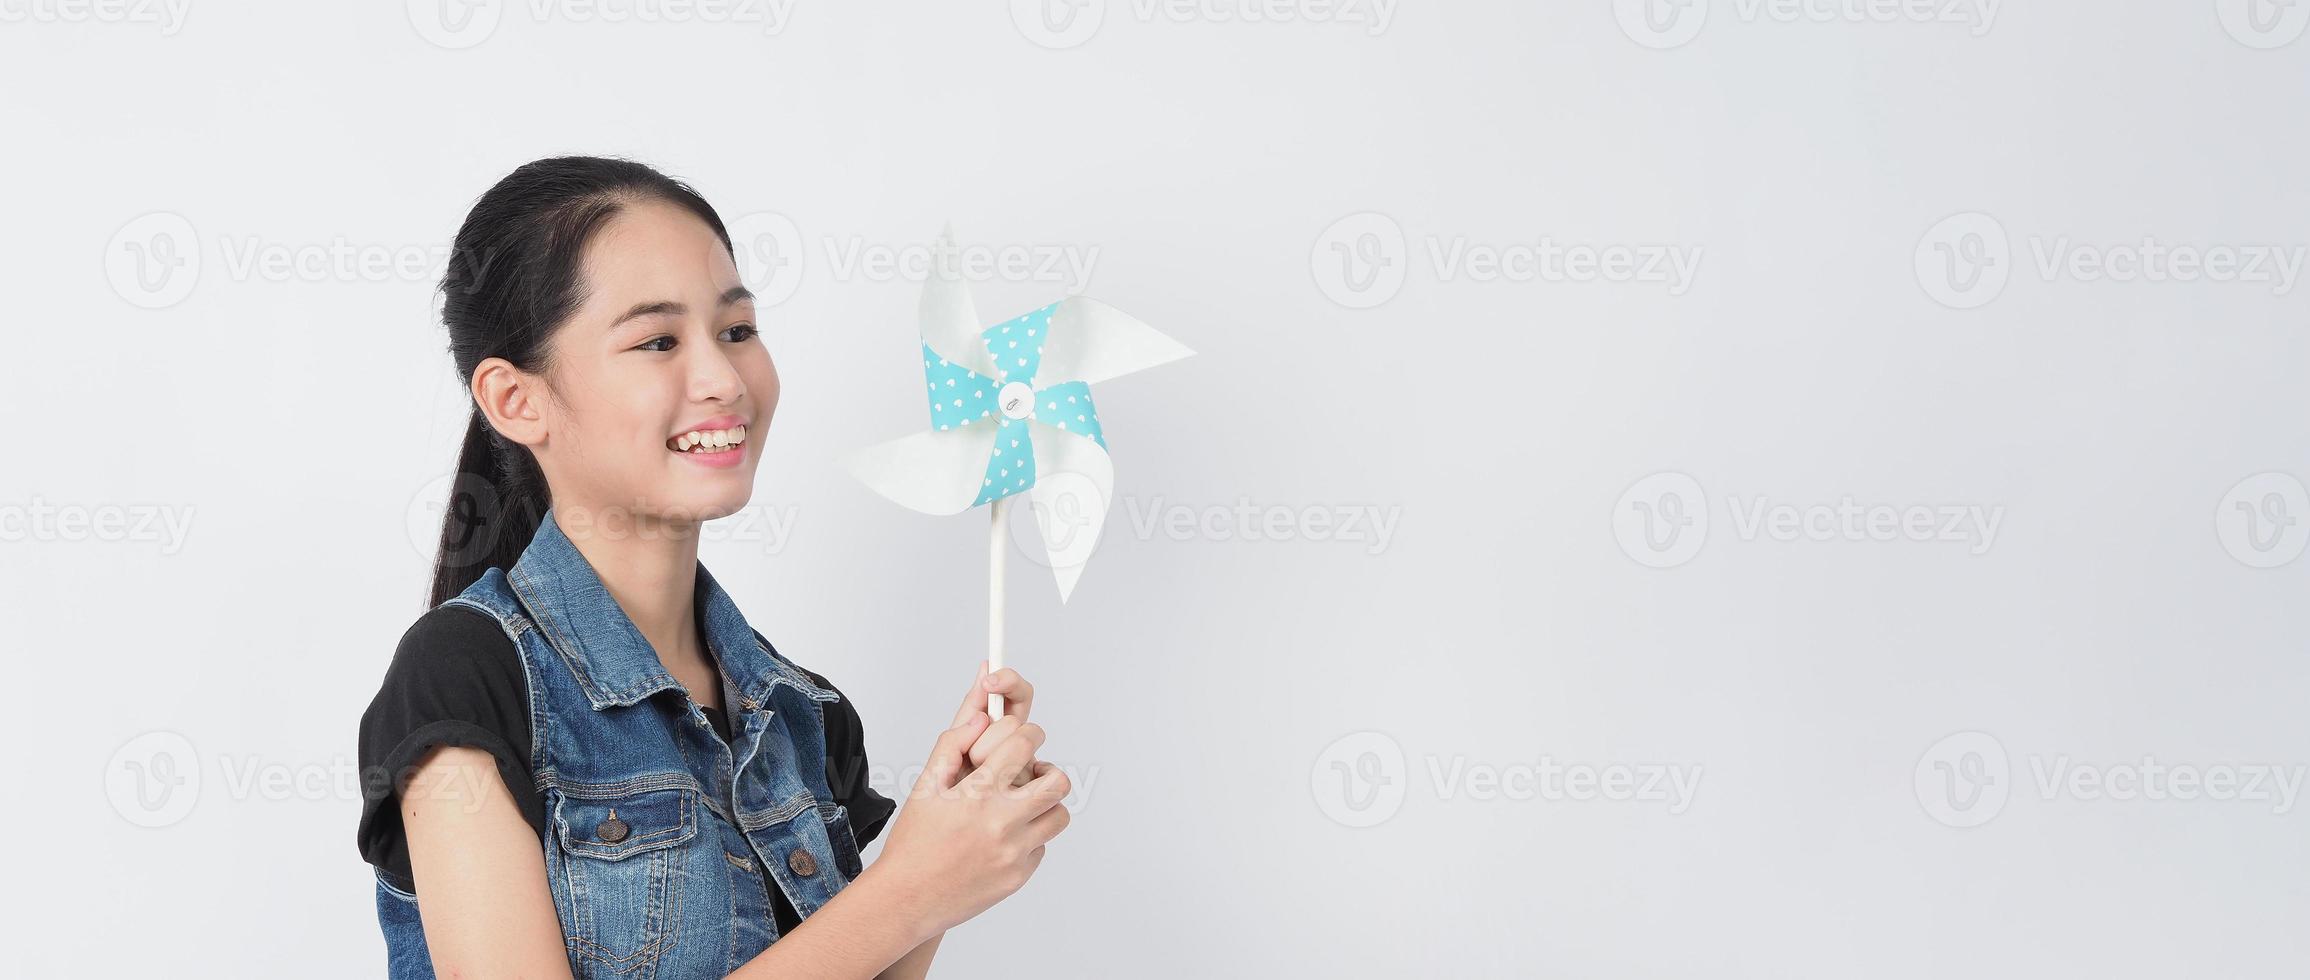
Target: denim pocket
[(618, 858)]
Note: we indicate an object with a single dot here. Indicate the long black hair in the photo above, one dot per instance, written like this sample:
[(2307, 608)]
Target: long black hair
[(516, 272)]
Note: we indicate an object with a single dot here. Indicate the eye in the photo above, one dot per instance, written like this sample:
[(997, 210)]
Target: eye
[(650, 344), (740, 333)]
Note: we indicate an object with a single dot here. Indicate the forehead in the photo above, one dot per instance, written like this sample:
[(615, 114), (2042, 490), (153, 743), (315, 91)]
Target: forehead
[(656, 247)]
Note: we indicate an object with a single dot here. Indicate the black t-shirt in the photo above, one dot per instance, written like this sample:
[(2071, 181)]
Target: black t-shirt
[(456, 679)]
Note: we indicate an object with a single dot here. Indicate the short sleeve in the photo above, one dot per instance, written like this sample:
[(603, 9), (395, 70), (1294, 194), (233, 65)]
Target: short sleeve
[(456, 679), (846, 766)]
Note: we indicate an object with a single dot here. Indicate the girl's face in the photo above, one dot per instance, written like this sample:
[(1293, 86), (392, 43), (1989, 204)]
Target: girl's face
[(662, 387)]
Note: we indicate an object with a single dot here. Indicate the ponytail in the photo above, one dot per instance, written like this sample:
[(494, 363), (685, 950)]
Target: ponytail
[(496, 501)]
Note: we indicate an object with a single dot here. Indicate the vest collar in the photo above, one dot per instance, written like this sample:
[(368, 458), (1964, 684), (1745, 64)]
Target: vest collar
[(612, 661)]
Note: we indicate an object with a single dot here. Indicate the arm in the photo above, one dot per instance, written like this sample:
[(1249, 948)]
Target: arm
[(914, 965), (866, 929), (486, 906)]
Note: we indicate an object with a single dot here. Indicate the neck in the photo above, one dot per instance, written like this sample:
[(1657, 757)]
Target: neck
[(651, 569)]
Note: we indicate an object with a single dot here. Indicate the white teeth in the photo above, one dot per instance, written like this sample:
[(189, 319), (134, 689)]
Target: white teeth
[(709, 439)]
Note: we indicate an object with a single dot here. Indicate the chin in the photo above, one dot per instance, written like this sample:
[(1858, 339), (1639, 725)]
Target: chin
[(707, 507)]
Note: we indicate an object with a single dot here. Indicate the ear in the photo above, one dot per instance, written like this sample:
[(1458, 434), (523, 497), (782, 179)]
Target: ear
[(511, 399)]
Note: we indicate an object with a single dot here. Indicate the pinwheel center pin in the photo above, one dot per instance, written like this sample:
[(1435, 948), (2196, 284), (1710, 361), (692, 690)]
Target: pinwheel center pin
[(1018, 400)]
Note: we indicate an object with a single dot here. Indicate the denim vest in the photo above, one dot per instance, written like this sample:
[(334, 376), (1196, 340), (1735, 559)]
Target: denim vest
[(660, 847)]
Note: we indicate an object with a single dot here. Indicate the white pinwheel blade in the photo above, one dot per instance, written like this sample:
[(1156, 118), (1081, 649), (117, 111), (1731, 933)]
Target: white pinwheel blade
[(1074, 480), (1092, 342), (950, 321), (933, 472)]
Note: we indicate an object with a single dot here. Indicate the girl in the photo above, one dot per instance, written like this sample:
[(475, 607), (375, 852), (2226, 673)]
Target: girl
[(588, 764)]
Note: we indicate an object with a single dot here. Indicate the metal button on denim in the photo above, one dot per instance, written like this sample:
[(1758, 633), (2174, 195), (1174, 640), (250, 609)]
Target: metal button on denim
[(611, 830), (802, 863)]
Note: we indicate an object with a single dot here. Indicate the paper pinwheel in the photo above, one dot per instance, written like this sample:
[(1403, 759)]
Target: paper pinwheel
[(1011, 414)]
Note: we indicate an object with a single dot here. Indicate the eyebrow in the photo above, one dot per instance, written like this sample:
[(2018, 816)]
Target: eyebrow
[(667, 307)]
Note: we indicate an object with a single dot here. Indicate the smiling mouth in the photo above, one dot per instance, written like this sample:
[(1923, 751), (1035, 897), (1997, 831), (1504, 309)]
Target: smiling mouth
[(709, 441)]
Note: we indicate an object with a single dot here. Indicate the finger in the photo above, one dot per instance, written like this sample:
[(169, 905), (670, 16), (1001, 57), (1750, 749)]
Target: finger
[(974, 701), (1011, 757), (1018, 695), (949, 754), (1040, 767), (992, 737), (1048, 824), (1050, 786)]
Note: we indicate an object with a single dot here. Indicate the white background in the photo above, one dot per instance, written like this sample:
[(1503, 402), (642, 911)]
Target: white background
[(1837, 341)]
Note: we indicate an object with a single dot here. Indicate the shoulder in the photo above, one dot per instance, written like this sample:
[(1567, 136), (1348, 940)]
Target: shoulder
[(455, 661), (453, 640), (451, 631)]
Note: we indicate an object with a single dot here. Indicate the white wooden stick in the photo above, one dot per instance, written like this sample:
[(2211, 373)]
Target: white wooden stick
[(996, 533)]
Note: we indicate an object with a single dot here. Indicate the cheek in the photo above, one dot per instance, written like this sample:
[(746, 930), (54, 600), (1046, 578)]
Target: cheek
[(762, 380)]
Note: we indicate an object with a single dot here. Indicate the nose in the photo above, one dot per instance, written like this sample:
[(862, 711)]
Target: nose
[(713, 377)]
